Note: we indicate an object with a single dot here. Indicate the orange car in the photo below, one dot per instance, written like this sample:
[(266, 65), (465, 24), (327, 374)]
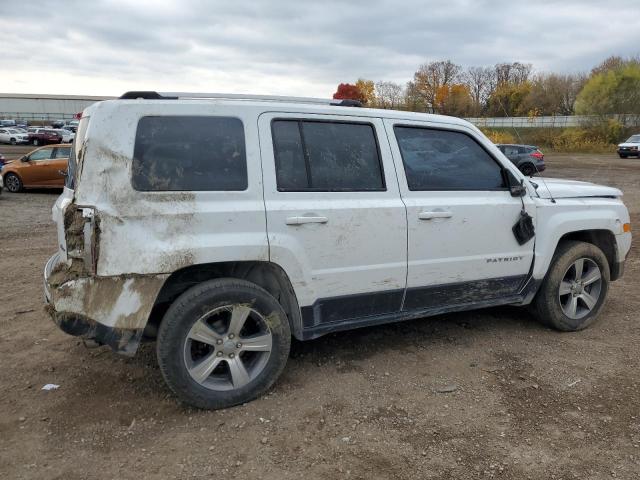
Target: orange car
[(44, 167)]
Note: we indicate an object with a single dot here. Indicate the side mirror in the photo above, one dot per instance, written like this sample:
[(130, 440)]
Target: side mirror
[(518, 190), (516, 187), (24, 159)]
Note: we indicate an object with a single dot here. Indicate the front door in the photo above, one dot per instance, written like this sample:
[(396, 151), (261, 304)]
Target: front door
[(335, 220), (460, 216), (36, 171)]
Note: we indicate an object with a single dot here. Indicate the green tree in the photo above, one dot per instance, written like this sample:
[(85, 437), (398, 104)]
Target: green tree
[(616, 90)]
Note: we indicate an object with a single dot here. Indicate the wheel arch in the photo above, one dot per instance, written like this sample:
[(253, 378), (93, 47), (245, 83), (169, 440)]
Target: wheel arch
[(11, 172), (267, 275), (603, 239)]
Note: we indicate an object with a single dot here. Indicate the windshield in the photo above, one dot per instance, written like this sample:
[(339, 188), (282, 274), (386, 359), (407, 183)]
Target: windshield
[(634, 139), (78, 142)]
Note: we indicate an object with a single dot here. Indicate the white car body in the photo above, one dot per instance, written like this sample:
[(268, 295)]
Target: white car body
[(67, 135), (630, 147), (349, 258), (13, 136)]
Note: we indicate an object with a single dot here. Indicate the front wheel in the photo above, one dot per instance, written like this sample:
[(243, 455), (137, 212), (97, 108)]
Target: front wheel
[(36, 142), (222, 343), (12, 141), (622, 156), (12, 182), (575, 288)]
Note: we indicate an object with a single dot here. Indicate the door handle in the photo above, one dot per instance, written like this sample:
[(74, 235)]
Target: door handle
[(303, 220), (435, 214)]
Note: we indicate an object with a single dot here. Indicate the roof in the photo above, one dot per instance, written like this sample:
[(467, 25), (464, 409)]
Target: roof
[(281, 103)]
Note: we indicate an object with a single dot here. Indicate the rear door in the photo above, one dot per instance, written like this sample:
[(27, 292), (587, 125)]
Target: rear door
[(57, 168), (335, 219), (460, 216)]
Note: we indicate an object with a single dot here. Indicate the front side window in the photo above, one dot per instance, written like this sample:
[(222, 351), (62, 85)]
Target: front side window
[(446, 160), (44, 154), (189, 153), (326, 156)]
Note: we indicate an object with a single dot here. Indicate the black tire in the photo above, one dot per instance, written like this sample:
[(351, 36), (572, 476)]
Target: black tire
[(547, 304), (12, 182), (36, 142), (12, 141), (193, 305), (528, 169), (622, 156)]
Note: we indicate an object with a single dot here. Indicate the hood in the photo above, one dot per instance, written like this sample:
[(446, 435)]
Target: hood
[(560, 188), (626, 144)]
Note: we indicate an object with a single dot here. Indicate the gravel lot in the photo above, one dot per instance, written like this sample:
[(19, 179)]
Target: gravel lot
[(481, 394)]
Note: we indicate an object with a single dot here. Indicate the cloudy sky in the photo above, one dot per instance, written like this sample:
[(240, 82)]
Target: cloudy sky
[(292, 47)]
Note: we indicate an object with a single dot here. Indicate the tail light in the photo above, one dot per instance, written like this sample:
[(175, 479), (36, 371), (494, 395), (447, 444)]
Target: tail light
[(537, 155)]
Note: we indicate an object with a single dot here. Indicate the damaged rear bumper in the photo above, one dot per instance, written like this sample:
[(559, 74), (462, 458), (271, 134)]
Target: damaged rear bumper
[(112, 311)]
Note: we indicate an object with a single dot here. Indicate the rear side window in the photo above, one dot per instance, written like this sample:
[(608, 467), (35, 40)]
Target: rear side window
[(326, 156), (446, 160), (189, 153)]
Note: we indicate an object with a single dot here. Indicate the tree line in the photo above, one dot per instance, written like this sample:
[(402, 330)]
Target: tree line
[(506, 89)]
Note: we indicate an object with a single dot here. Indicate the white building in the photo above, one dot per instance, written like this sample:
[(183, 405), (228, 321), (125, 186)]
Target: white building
[(44, 107)]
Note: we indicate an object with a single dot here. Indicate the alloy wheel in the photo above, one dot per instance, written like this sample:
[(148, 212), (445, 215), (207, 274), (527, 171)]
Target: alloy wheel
[(580, 288), (227, 347)]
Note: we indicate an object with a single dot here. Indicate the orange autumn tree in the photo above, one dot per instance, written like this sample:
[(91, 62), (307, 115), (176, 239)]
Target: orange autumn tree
[(454, 100)]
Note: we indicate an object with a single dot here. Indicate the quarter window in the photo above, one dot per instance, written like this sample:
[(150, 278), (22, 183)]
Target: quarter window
[(326, 156), (189, 153), (446, 160)]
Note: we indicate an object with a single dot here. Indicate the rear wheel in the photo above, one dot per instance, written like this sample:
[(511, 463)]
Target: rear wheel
[(575, 288), (622, 156), (12, 141), (222, 343), (12, 182), (528, 169), (36, 142)]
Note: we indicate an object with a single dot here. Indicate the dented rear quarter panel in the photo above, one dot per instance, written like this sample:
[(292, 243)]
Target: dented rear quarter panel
[(160, 232)]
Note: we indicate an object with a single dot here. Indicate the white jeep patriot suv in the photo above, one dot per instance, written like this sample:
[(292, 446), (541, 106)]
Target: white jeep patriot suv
[(222, 226)]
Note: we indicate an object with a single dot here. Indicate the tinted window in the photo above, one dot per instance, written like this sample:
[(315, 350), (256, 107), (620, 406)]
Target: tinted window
[(510, 150), (446, 160), (189, 153), (326, 156)]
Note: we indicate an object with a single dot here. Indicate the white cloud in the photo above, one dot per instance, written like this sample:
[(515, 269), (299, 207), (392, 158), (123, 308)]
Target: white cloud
[(292, 47)]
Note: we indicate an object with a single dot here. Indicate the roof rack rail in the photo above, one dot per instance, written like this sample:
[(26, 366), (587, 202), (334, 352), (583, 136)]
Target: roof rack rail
[(151, 95)]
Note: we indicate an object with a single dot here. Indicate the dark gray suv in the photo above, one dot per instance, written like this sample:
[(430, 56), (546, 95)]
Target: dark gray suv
[(528, 158)]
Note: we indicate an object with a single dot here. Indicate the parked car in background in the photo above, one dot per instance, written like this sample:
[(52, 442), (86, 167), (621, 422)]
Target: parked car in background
[(13, 136), (43, 136), (7, 123), (528, 158), (44, 167), (630, 148), (57, 123), (72, 125), (2, 161), (67, 135)]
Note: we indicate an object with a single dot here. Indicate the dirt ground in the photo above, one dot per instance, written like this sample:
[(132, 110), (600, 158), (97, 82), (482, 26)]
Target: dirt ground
[(483, 394)]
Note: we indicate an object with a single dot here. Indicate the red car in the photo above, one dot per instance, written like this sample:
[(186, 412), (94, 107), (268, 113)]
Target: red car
[(43, 136)]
